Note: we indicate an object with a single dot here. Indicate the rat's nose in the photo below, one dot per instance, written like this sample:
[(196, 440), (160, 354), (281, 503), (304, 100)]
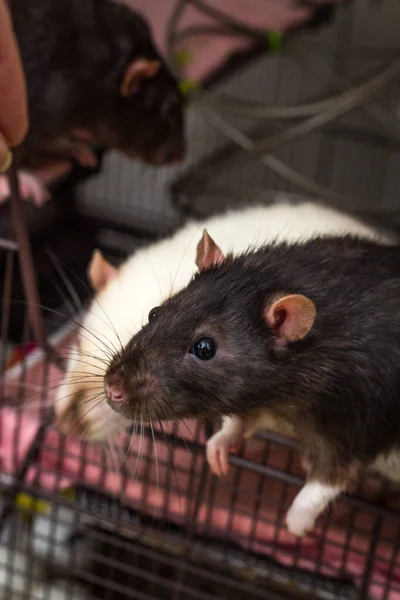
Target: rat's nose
[(115, 393)]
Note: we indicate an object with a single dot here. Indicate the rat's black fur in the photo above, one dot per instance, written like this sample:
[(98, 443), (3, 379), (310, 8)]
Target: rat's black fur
[(74, 54), (338, 387)]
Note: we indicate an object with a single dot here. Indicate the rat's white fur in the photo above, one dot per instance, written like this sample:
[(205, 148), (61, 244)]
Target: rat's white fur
[(310, 502), (152, 274)]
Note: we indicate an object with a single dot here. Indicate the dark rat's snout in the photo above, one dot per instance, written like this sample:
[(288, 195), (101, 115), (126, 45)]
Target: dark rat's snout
[(115, 392), (169, 152), (129, 390)]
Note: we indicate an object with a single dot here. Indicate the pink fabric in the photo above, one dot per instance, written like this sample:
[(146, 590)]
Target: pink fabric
[(65, 462), (207, 52)]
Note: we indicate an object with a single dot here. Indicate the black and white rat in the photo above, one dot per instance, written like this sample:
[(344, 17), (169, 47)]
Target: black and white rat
[(125, 295), (94, 78), (308, 331)]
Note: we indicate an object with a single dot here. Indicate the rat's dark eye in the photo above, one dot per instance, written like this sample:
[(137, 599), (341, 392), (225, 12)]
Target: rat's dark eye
[(168, 109), (204, 348), (153, 313)]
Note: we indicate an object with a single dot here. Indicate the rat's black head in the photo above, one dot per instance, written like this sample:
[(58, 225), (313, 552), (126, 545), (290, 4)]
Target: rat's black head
[(150, 113), (212, 348), (146, 108)]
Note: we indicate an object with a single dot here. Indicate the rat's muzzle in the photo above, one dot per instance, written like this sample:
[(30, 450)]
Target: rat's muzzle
[(130, 396)]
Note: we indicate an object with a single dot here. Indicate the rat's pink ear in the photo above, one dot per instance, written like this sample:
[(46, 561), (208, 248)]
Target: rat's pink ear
[(208, 253), (100, 272), (136, 71), (291, 317)]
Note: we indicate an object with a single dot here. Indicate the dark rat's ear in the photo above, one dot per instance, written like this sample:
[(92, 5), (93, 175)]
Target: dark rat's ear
[(136, 71), (100, 272), (208, 253), (291, 317)]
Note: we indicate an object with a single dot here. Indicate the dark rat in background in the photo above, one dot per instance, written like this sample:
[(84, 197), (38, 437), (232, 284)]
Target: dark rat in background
[(94, 78), (310, 332)]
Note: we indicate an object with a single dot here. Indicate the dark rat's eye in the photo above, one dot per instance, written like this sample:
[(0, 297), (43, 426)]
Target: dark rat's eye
[(168, 109), (204, 348), (153, 313)]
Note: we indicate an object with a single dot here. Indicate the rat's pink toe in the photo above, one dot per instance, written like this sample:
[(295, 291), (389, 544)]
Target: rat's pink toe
[(32, 189), (4, 189)]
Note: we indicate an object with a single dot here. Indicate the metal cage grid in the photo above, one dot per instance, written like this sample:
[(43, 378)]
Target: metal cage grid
[(354, 79), (129, 553)]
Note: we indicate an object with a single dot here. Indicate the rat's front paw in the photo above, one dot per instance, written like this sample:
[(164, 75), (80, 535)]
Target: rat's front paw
[(4, 189), (30, 188), (299, 522), (83, 155), (218, 448)]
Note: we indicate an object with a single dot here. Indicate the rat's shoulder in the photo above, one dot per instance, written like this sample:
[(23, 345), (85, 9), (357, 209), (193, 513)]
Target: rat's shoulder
[(335, 247), (76, 20)]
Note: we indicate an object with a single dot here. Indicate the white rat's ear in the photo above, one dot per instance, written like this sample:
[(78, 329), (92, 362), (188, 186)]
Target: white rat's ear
[(100, 272), (136, 71), (208, 253), (291, 317)]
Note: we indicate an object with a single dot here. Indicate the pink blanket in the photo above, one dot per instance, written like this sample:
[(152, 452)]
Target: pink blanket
[(154, 488), (205, 53)]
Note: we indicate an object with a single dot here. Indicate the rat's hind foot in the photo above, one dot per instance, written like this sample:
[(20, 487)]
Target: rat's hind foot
[(309, 503)]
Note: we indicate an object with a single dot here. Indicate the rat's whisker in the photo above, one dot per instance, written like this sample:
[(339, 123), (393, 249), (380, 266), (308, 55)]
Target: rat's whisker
[(171, 464), (140, 450), (65, 279), (83, 416), (154, 446), (196, 232), (95, 299), (158, 283)]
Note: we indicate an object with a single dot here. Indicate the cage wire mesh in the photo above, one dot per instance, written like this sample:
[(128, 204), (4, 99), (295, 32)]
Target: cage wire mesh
[(80, 521)]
